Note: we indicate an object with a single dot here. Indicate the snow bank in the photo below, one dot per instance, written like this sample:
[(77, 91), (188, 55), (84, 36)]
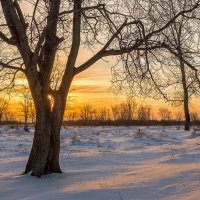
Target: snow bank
[(99, 163)]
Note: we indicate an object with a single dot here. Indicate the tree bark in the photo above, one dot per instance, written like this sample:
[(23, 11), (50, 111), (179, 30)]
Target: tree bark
[(185, 97), (44, 156), (53, 165), (40, 148)]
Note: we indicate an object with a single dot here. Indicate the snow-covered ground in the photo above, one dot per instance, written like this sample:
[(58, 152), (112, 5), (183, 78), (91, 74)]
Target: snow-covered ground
[(106, 163)]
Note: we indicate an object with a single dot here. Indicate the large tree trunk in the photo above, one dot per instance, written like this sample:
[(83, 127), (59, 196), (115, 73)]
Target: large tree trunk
[(53, 165), (39, 153), (44, 156), (185, 97)]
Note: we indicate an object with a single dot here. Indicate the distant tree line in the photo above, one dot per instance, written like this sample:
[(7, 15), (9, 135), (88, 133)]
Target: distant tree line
[(126, 111), (129, 110)]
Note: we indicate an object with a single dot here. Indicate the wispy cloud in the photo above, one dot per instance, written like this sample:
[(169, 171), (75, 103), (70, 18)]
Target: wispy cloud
[(89, 89)]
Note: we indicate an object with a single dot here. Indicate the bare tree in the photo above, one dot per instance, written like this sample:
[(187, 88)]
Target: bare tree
[(25, 105), (124, 111), (86, 112), (182, 39), (115, 112), (30, 42), (32, 112), (171, 69), (165, 114), (144, 113), (178, 116), (194, 116), (71, 116), (128, 110), (3, 107), (102, 114), (10, 116)]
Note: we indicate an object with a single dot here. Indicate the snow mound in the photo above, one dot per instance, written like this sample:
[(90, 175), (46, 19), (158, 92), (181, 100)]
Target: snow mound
[(115, 163)]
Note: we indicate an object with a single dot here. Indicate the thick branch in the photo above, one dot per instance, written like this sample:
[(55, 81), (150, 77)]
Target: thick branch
[(16, 25), (8, 66), (114, 52), (6, 39), (76, 37), (99, 6)]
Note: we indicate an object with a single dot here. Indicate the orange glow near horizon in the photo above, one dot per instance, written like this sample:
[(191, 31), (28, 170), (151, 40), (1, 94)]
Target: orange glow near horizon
[(93, 86)]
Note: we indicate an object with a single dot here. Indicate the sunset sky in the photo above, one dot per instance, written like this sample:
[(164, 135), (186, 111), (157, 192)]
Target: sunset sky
[(93, 86)]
